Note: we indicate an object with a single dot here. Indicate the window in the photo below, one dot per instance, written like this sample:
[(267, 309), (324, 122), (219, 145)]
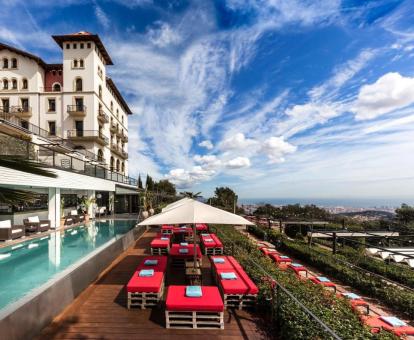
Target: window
[(5, 63), (25, 104), (81, 63), (24, 124), (81, 45), (88, 45), (52, 104), (68, 46), (56, 87), (75, 63), (59, 72), (117, 113), (100, 134), (123, 167), (24, 84), (14, 84), (100, 91), (5, 84), (6, 105), (112, 163), (74, 46), (122, 118), (52, 128), (14, 63), (100, 155), (79, 128), (53, 73), (112, 106), (79, 104), (117, 165), (78, 84)]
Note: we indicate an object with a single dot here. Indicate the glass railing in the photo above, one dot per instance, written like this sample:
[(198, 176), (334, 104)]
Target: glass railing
[(87, 133)]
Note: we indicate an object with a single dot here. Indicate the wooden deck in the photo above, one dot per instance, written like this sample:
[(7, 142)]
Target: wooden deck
[(100, 311)]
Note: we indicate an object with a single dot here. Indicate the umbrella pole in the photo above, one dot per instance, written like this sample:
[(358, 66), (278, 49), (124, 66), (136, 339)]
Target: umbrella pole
[(195, 246)]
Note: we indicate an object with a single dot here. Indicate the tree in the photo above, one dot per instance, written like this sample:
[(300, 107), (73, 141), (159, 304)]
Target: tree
[(166, 187), (149, 183), (139, 182), (224, 198), (405, 214), (191, 194)]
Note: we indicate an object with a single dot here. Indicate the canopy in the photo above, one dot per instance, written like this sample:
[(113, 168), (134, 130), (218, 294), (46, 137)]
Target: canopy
[(189, 211)]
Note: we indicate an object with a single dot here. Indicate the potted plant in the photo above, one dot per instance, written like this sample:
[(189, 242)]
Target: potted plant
[(62, 212)]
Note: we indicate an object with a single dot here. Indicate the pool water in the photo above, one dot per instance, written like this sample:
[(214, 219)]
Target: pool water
[(28, 265)]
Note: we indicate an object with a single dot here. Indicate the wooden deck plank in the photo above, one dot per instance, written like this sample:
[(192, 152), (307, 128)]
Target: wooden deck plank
[(100, 311)]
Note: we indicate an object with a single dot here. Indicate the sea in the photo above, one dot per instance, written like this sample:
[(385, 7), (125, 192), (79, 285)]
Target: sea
[(333, 202)]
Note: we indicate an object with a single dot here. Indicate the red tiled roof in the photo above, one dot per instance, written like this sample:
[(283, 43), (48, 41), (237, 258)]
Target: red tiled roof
[(23, 53), (84, 36)]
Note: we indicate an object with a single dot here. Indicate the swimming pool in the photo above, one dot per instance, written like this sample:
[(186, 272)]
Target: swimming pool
[(27, 265)]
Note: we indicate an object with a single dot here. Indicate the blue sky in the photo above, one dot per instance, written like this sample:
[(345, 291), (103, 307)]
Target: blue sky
[(278, 98)]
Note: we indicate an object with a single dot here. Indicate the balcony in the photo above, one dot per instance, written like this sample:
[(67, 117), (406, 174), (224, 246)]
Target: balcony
[(113, 128), (124, 137), (118, 151), (21, 111), (87, 136), (77, 110), (103, 117)]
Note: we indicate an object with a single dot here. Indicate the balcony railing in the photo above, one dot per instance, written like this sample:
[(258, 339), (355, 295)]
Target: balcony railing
[(124, 137), (50, 157), (113, 128), (102, 116), (87, 134), (23, 111), (76, 108)]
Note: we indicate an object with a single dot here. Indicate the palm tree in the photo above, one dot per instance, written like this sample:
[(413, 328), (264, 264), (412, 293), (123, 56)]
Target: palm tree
[(12, 196), (190, 194)]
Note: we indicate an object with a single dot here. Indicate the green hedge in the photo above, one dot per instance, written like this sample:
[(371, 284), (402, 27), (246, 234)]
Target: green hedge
[(293, 323), (397, 299)]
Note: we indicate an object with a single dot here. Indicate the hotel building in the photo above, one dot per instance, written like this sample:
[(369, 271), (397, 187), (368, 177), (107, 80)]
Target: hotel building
[(69, 116)]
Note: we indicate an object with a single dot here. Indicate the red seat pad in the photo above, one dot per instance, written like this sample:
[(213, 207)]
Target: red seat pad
[(237, 286), (217, 240), (325, 284), (159, 235), (208, 244), (248, 281), (278, 259), (211, 300), (201, 227), (267, 252), (174, 251), (158, 243), (227, 265), (167, 227), (161, 266), (376, 322), (151, 284), (186, 230), (234, 262), (297, 269)]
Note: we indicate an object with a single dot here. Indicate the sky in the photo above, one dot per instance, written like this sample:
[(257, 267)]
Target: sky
[(277, 98)]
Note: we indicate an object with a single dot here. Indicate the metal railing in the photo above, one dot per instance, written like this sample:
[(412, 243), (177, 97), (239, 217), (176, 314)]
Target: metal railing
[(87, 133), (20, 109), (52, 158), (76, 108), (103, 116)]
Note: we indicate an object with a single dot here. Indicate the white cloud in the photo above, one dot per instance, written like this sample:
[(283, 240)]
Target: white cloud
[(163, 35), (208, 161), (206, 144), (390, 92), (276, 148), (102, 17), (238, 163), (237, 142), (187, 178)]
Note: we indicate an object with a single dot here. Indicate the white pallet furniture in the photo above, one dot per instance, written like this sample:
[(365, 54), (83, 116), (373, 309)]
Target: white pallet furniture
[(194, 319)]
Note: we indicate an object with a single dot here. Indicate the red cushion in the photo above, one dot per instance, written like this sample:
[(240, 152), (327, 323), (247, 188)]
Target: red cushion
[(161, 266), (158, 243), (278, 259), (237, 286), (223, 266), (376, 322), (247, 280), (268, 251), (151, 284), (201, 226), (217, 240), (159, 235), (174, 251), (186, 230), (325, 284), (234, 262), (167, 227), (210, 301), (211, 244)]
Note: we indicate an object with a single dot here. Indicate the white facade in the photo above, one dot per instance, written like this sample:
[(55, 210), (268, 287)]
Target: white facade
[(75, 96)]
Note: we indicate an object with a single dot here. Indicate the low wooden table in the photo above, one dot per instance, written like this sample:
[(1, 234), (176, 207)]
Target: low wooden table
[(193, 276)]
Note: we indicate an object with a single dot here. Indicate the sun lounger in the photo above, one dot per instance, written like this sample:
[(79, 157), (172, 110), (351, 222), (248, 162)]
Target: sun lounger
[(160, 245), (146, 290), (183, 311), (389, 323), (239, 292), (267, 251), (9, 231), (179, 254), (201, 227), (280, 259), (211, 244), (167, 229), (358, 304), (323, 281), (34, 224), (77, 218), (299, 269)]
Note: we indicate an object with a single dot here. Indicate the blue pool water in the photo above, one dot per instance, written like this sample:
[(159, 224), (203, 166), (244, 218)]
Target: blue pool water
[(28, 265)]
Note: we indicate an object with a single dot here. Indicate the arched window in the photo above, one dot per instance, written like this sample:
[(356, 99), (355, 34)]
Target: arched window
[(24, 84), (14, 63), (5, 84), (81, 63), (75, 63), (14, 84), (112, 163), (112, 106), (78, 84), (118, 165), (100, 155), (5, 63), (100, 91), (123, 167), (56, 87)]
